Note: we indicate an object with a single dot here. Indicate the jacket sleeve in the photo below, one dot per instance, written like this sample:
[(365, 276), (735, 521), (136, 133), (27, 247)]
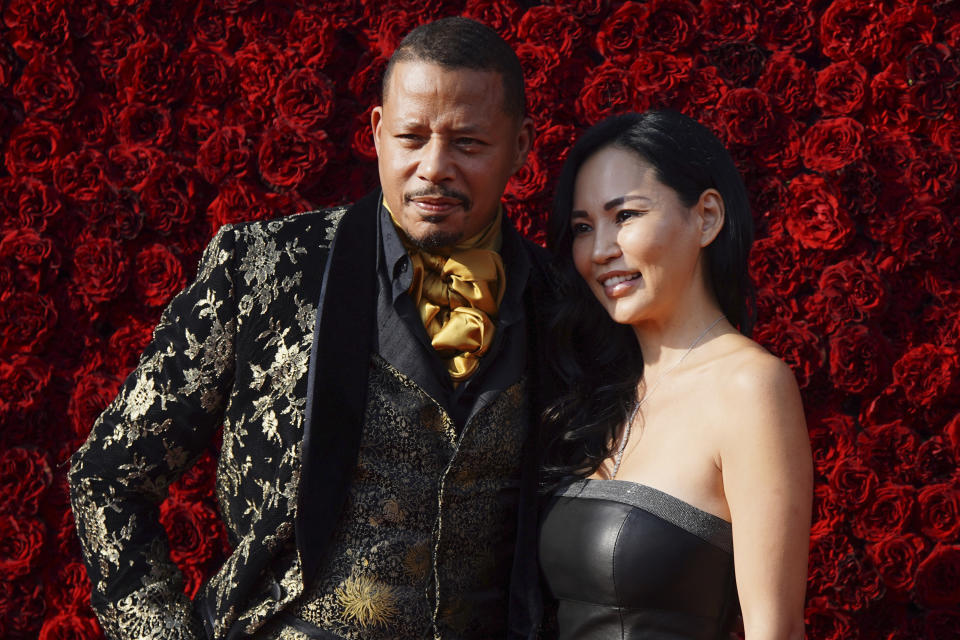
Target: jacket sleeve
[(166, 412)]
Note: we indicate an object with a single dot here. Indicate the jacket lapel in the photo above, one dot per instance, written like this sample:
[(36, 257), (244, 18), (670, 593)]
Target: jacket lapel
[(337, 381)]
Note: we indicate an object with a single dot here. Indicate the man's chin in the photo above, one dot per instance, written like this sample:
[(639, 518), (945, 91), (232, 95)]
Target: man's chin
[(433, 240)]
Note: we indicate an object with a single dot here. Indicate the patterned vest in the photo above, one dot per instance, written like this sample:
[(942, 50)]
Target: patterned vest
[(424, 544)]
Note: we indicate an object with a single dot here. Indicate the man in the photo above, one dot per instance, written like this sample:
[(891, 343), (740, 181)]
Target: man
[(376, 473)]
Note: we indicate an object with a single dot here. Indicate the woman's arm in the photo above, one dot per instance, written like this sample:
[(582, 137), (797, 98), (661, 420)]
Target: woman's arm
[(768, 482)]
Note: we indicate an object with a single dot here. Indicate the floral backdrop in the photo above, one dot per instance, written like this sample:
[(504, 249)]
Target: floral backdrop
[(131, 130)]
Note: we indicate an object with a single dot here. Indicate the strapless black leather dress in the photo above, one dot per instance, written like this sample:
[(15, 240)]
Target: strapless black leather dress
[(625, 560)]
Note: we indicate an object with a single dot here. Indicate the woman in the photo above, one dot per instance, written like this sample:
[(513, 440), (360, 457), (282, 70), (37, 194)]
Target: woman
[(687, 437)]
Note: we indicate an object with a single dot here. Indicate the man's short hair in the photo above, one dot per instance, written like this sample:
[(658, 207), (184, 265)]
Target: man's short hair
[(461, 43)]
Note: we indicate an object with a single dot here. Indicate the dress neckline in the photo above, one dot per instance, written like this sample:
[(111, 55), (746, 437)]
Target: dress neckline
[(705, 525)]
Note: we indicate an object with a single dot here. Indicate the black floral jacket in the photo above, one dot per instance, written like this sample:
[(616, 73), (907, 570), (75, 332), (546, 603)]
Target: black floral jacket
[(242, 346)]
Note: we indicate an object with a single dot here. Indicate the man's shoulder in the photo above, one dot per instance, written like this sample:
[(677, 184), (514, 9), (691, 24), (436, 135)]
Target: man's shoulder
[(319, 225)]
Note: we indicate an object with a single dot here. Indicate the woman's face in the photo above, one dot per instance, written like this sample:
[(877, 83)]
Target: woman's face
[(634, 242)]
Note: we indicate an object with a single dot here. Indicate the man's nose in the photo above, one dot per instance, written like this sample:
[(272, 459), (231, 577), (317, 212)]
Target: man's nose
[(436, 163)]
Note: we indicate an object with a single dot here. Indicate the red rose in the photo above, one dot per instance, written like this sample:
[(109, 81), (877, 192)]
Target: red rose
[(211, 76), (305, 98), (831, 144), (124, 348), (195, 125), (668, 25), (193, 530), (618, 38), (854, 483), (922, 235), (934, 461), (946, 135), (609, 88), (933, 176), (826, 555), (788, 26), (737, 62), (825, 621), (851, 29), (553, 144), (849, 291), (143, 124), (37, 27), (890, 103), (23, 382), (888, 448), (841, 88), (48, 88), (21, 545), (291, 157), (657, 77), (158, 275), (814, 217), (940, 511), (113, 38), (70, 626), (197, 482), (101, 269), (92, 120), (938, 577), (553, 25), (364, 83), (71, 590), (952, 433), (775, 264), (33, 149), (907, 26), (26, 321), (225, 154), (500, 15), (362, 139), (789, 83), (24, 477), (149, 73), (932, 72), (705, 88), (212, 27), (828, 513), (857, 361), (237, 202), (27, 203), (539, 62), (135, 163), (831, 440), (92, 392), (926, 373), (723, 21), (25, 610), (260, 65), (897, 559), (530, 181), (746, 116), (313, 36), (795, 344), (34, 258), (82, 177), (389, 25), (167, 198), (887, 514)]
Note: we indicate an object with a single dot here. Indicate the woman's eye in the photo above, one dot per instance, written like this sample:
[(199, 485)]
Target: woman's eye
[(626, 214), (579, 227)]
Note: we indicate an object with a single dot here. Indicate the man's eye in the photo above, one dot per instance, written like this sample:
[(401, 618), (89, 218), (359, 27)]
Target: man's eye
[(468, 142)]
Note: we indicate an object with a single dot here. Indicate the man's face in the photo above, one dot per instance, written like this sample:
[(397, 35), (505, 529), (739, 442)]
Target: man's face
[(446, 148)]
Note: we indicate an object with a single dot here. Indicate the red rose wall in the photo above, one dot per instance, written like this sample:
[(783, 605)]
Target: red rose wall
[(130, 131)]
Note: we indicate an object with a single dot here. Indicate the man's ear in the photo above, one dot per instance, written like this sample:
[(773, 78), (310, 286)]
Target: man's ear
[(524, 143), (711, 212), (376, 120)]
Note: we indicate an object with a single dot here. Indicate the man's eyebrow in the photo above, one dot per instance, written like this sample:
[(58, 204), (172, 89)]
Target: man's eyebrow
[(618, 201)]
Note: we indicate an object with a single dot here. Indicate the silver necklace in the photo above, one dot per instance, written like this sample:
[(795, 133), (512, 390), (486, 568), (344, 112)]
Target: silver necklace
[(618, 456)]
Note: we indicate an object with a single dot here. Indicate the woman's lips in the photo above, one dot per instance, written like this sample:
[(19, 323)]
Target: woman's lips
[(615, 285)]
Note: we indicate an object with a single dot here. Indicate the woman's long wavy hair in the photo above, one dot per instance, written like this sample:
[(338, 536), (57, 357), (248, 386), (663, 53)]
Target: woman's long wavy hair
[(597, 360)]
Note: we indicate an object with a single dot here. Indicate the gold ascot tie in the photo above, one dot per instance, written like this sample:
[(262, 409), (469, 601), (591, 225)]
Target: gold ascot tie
[(458, 292)]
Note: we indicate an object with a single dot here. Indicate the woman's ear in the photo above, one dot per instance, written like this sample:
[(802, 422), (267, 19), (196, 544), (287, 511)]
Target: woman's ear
[(710, 214)]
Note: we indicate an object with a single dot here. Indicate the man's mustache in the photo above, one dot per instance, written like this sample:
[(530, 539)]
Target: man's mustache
[(439, 191)]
